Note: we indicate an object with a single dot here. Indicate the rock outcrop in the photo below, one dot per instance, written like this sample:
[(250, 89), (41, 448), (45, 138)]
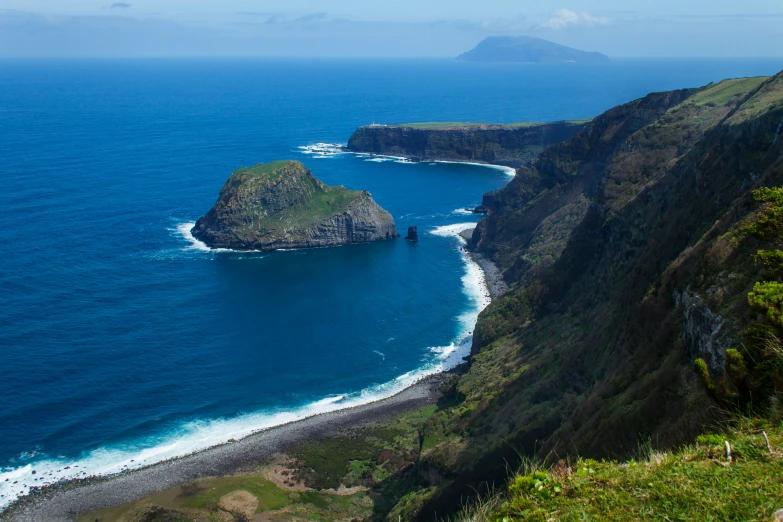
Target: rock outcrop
[(413, 234), (703, 332), (280, 205), (510, 145)]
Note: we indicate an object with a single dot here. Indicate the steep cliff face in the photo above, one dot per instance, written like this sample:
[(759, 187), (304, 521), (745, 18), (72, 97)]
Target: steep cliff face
[(510, 145), (624, 252), (281, 205)]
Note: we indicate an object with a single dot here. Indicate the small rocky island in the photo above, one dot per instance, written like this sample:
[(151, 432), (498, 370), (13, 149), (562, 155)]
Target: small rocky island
[(281, 205)]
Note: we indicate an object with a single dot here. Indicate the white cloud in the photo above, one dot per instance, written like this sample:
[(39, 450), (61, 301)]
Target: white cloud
[(563, 18)]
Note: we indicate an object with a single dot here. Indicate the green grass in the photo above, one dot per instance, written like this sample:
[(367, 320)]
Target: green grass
[(723, 92), (269, 496), (446, 125), (693, 483), (273, 170), (768, 98), (324, 203), (374, 456)]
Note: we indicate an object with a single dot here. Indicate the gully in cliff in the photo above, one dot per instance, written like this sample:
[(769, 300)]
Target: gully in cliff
[(281, 205)]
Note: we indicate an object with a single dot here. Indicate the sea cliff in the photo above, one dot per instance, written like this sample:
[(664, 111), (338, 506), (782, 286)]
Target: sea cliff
[(281, 205), (510, 145), (636, 255)]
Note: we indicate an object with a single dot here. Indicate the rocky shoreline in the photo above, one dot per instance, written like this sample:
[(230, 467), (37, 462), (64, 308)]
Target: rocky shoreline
[(71, 500), (506, 145), (492, 273)]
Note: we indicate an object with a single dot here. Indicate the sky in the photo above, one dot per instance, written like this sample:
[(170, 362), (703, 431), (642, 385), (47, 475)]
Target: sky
[(385, 28)]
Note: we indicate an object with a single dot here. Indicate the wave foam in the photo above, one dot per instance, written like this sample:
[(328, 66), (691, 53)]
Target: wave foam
[(199, 435), (330, 150), (323, 150), (184, 230), (509, 171)]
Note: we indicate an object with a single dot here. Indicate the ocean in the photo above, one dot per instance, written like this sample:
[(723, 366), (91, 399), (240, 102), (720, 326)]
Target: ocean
[(124, 342)]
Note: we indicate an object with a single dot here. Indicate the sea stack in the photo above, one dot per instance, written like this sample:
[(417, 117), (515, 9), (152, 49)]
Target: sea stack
[(281, 205), (413, 234)]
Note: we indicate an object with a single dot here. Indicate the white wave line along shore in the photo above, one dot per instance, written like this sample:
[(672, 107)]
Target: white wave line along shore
[(330, 150), (195, 436)]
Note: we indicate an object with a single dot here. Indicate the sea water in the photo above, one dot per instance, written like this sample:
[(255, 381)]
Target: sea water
[(124, 341)]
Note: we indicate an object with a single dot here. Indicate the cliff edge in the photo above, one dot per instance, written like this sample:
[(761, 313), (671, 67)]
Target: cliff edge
[(510, 145)]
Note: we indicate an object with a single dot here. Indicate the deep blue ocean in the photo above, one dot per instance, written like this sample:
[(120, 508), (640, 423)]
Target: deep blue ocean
[(123, 342)]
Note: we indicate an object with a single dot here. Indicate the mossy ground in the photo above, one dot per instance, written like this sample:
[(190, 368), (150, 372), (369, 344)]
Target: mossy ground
[(696, 482)]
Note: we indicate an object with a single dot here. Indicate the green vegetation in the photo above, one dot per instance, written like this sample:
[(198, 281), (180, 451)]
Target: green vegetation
[(272, 170), (208, 493), (363, 457), (630, 251), (767, 297), (726, 91), (376, 460), (700, 369), (215, 499), (771, 259), (452, 125), (447, 125), (305, 200), (696, 482)]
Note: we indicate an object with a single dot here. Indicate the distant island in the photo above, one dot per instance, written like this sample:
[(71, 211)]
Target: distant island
[(281, 205), (528, 49)]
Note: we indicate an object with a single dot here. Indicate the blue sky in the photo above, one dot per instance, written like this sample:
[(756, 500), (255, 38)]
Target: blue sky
[(683, 28)]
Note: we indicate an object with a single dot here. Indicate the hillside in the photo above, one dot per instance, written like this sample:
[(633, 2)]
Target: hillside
[(281, 205), (527, 49), (626, 266), (700, 481), (510, 145)]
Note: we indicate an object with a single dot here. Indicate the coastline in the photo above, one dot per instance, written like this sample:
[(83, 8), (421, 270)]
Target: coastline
[(327, 150), (72, 498), (493, 276)]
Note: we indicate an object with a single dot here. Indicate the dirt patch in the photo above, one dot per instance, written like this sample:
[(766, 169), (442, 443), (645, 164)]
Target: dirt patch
[(346, 492), (282, 472), (240, 503)]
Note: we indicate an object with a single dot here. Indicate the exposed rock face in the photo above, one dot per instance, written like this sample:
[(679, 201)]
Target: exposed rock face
[(413, 234), (703, 332), (528, 49), (510, 145), (281, 205)]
